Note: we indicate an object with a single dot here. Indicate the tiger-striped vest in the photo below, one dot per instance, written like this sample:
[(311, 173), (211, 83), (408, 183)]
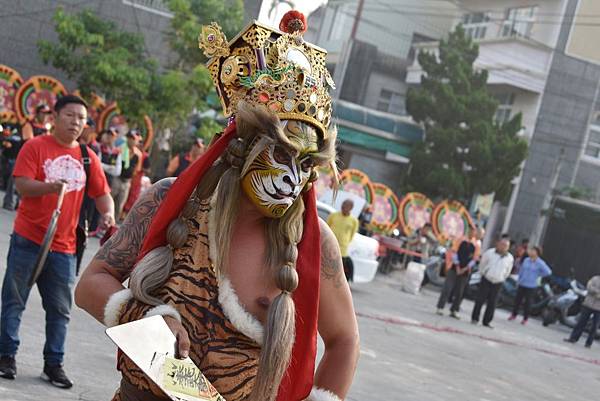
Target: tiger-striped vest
[(226, 356)]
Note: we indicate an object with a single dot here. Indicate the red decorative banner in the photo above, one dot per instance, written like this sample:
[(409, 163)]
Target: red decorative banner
[(357, 183), (37, 90), (385, 209), (10, 82), (415, 211), (451, 220)]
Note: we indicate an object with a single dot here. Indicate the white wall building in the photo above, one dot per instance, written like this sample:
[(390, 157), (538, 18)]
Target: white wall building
[(543, 60), (514, 48), (368, 54)]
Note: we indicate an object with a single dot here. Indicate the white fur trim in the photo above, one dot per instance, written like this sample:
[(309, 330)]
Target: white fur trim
[(164, 310), (233, 310), (318, 394), (239, 317), (114, 306)]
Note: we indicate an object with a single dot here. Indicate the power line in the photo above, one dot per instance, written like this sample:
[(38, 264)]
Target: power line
[(139, 31), (424, 10), (427, 28), (43, 10)]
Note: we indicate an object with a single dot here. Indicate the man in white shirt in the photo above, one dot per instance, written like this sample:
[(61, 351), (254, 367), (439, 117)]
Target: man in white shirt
[(495, 267)]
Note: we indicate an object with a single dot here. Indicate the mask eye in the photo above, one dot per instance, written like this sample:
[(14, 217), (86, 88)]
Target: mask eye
[(307, 164), (281, 155)]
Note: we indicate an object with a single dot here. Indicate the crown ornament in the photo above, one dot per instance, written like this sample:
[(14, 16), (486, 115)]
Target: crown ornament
[(275, 68)]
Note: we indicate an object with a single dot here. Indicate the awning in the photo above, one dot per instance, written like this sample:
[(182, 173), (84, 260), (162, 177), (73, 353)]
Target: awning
[(397, 127), (369, 141)]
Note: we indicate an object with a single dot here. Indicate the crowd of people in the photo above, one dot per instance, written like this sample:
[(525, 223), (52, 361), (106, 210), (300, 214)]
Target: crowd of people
[(103, 174), (228, 254), (225, 253), (50, 165), (495, 265), (125, 164)]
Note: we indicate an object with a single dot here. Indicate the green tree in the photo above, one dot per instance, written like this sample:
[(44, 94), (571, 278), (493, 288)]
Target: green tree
[(103, 59), (190, 15), (465, 151)]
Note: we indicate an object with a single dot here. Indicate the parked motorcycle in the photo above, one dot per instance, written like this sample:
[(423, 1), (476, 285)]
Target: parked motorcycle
[(508, 293), (435, 267), (566, 306)]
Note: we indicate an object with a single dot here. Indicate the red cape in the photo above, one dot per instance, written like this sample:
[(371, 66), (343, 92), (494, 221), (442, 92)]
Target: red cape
[(298, 380)]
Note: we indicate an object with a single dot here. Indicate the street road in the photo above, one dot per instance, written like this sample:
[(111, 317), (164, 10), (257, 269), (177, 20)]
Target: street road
[(407, 353)]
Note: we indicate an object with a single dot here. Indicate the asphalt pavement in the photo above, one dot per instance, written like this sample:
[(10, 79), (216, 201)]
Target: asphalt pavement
[(408, 353)]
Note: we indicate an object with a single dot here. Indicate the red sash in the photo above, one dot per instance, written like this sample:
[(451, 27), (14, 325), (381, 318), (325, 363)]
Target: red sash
[(297, 382)]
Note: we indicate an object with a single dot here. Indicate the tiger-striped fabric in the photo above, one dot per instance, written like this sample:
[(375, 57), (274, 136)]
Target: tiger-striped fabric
[(227, 357)]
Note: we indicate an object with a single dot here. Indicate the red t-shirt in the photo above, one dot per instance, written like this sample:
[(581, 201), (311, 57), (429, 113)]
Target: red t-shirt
[(44, 159)]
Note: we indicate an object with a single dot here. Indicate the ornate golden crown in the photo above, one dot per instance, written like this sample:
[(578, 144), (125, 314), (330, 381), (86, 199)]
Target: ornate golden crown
[(266, 66)]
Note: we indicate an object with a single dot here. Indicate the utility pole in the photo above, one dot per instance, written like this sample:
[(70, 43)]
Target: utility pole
[(357, 17), (546, 210), (340, 70)]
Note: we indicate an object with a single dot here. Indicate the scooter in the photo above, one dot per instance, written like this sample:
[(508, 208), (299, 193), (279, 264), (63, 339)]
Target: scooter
[(565, 307), (435, 266), (472, 287), (508, 293)]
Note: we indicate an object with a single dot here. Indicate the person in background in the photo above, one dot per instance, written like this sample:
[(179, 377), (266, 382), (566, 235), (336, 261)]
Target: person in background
[(520, 255), (88, 216), (11, 144), (121, 185), (89, 136), (474, 237), (182, 160), (495, 267), (136, 181), (44, 166), (365, 219), (532, 270), (457, 277), (423, 241), (590, 308), (110, 155), (344, 226), (40, 124)]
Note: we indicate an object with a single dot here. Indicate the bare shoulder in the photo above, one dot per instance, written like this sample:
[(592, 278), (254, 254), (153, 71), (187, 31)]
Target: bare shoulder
[(122, 249), (332, 269)]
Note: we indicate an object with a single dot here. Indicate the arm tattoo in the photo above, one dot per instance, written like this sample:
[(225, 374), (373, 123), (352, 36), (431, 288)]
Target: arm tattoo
[(331, 261), (121, 250)]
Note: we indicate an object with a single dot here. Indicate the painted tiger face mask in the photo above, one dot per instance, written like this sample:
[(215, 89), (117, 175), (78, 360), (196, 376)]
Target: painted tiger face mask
[(277, 176)]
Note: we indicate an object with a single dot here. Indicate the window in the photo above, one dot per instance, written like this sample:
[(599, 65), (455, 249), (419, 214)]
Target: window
[(592, 148), (519, 22), (391, 102), (476, 24), (505, 105)]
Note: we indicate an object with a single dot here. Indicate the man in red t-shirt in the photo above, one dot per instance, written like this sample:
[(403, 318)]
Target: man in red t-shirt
[(43, 166)]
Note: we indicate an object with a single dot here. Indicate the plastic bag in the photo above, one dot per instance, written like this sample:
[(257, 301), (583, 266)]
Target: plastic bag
[(413, 277)]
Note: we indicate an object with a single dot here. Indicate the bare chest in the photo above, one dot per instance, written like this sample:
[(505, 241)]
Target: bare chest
[(250, 277)]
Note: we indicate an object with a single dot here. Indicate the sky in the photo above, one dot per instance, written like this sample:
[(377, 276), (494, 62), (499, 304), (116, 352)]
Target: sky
[(305, 6)]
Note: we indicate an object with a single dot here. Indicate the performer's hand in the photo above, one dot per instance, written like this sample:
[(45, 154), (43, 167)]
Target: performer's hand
[(183, 340)]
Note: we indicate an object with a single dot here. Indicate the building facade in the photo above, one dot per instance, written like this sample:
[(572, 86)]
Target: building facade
[(369, 46), (25, 22), (542, 62)]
